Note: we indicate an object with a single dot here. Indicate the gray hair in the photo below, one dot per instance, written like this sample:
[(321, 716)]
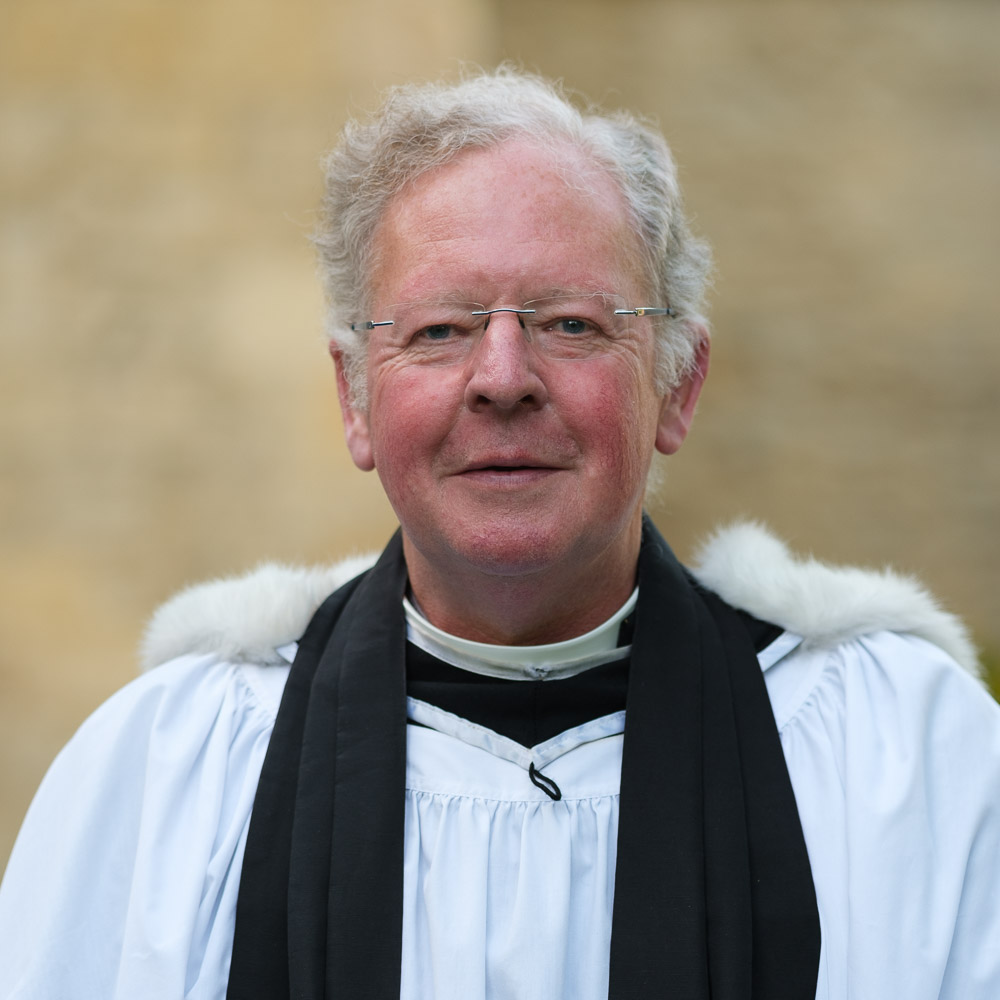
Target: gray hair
[(422, 126)]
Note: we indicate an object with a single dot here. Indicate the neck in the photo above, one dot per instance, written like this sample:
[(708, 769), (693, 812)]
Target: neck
[(531, 608)]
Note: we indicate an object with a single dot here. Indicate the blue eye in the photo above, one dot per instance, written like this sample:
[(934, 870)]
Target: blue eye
[(440, 331), (572, 326)]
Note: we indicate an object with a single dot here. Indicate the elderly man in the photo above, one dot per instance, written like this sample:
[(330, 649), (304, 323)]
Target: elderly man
[(526, 754)]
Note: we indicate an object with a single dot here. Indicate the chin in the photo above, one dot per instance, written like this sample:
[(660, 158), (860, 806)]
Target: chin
[(502, 548)]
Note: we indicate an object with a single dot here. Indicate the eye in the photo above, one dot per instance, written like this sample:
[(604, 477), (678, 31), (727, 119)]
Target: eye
[(570, 317), (573, 326), (437, 332)]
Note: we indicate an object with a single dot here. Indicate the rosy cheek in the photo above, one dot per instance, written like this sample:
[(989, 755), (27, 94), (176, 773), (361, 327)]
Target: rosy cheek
[(409, 416)]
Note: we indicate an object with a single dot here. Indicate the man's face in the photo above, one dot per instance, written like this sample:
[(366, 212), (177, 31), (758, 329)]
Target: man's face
[(510, 463)]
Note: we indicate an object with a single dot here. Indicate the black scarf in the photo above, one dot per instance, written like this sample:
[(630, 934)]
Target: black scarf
[(713, 890)]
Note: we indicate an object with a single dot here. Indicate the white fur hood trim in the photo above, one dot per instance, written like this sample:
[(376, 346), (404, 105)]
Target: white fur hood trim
[(246, 618), (243, 619), (751, 569)]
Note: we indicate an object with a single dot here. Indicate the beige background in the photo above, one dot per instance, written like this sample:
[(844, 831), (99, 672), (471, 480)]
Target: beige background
[(167, 410)]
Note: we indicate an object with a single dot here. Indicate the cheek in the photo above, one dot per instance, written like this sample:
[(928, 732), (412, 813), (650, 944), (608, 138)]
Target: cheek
[(621, 415), (407, 416)]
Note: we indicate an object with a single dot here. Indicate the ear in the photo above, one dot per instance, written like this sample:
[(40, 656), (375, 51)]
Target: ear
[(677, 409), (356, 429)]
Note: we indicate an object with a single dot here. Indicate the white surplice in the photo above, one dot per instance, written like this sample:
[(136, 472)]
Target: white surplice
[(123, 881)]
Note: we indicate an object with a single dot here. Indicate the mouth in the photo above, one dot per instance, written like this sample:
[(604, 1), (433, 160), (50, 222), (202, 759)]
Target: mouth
[(510, 472), (508, 463), (505, 467)]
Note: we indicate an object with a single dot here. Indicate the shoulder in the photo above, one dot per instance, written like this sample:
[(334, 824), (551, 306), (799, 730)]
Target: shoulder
[(194, 719), (751, 569), (244, 619), (893, 752), (137, 831), (868, 657)]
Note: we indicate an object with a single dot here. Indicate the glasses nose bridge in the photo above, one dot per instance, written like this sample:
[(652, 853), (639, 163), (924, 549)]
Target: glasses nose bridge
[(500, 343), (488, 314)]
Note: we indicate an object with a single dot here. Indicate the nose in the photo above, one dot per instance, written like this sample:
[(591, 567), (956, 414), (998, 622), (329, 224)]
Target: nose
[(503, 369)]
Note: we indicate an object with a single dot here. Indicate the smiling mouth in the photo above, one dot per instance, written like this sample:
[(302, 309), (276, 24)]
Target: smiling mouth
[(508, 465), (506, 468), (512, 473)]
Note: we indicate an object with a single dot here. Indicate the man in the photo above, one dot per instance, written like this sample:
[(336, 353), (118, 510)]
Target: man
[(526, 755)]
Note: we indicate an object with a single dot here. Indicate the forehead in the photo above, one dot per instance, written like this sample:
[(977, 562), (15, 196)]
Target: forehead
[(515, 219)]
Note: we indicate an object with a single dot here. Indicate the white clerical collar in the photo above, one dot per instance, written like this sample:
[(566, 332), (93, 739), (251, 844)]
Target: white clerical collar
[(525, 663)]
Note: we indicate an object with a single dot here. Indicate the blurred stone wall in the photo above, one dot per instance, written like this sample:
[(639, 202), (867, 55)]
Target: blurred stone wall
[(168, 413)]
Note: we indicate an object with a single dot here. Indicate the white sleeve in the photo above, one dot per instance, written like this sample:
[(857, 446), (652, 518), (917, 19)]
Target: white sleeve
[(123, 880), (894, 755)]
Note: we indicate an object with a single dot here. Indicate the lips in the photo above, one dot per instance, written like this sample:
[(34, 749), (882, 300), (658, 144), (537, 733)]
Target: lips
[(507, 473), (540, 453), (506, 478), (508, 465)]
